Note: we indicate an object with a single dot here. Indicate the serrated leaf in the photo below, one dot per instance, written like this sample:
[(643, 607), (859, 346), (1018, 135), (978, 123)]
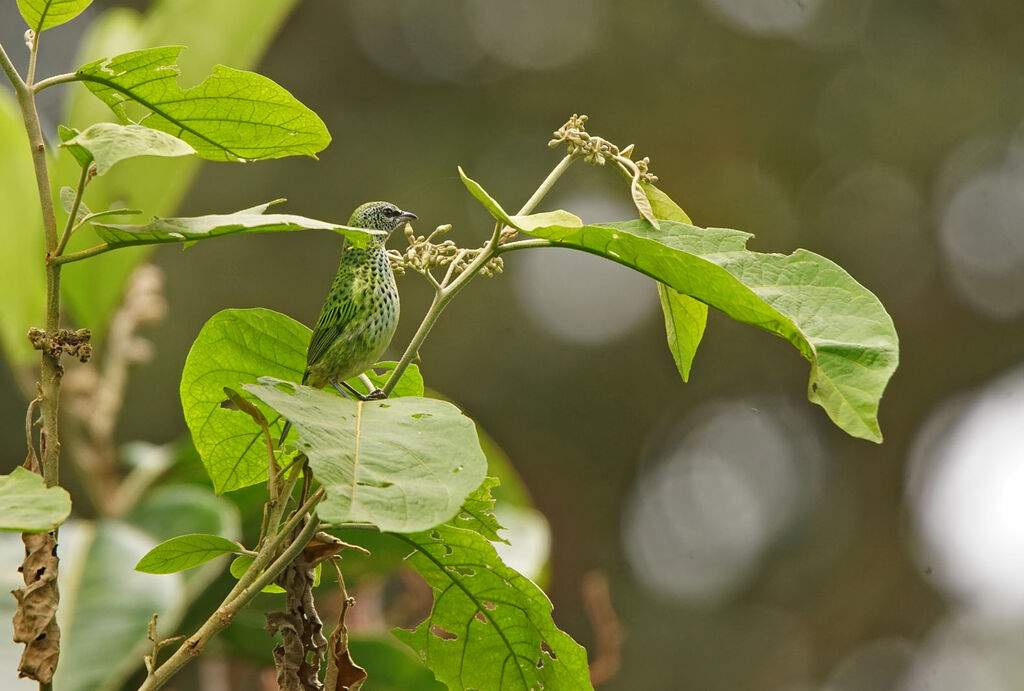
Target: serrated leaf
[(477, 512), (837, 324), (27, 505), (232, 115), (236, 347), (401, 464), (46, 14), (108, 143), (190, 229), (484, 610), (184, 552), (93, 290)]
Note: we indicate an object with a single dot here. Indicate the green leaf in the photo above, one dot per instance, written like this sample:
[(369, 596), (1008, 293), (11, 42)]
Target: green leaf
[(108, 144), (232, 115), (190, 229), (411, 383), (46, 14), (400, 464), (485, 611), (81, 154), (391, 666), (67, 200), (236, 347), (685, 318), (22, 276), (837, 324), (477, 512), (27, 505), (233, 348), (241, 563), (92, 290), (184, 552)]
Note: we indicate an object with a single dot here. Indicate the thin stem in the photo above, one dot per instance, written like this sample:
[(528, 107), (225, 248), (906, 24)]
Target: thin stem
[(525, 245), (33, 53), (232, 604), (80, 255), (53, 81), (546, 186), (10, 70), (449, 290), (69, 227)]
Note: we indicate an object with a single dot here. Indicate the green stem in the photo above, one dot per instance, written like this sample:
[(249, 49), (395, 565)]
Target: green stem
[(53, 81), (80, 255), (546, 186), (525, 245), (9, 69), (236, 599), (69, 227), (448, 291)]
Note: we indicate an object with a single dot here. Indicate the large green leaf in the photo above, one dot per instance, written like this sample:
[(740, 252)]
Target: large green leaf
[(485, 611), (93, 289), (22, 277), (836, 323), (233, 348), (685, 318), (403, 464), (108, 143), (232, 115), (46, 14), (236, 347), (189, 229), (27, 505)]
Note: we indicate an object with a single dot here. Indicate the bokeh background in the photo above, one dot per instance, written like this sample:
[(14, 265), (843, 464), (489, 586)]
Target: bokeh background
[(749, 544)]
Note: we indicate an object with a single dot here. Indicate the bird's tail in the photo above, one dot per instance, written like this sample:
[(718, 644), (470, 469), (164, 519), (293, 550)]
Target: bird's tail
[(288, 423)]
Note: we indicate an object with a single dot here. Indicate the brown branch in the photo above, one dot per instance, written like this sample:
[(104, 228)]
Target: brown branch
[(597, 602)]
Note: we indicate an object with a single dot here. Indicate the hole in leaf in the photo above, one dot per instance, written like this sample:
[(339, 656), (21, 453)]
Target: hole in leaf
[(480, 617), (285, 387), (547, 649), (447, 551), (442, 634), (435, 535), (540, 662), (419, 415), (462, 570), (458, 468), (814, 386), (382, 484)]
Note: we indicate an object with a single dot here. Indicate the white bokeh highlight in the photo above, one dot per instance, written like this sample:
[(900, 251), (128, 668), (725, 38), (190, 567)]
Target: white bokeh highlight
[(966, 489), (698, 523)]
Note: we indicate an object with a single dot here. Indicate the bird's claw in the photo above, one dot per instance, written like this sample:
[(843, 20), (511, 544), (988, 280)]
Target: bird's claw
[(375, 395)]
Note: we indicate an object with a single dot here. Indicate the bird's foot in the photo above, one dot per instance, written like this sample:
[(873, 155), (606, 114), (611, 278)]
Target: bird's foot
[(375, 395)]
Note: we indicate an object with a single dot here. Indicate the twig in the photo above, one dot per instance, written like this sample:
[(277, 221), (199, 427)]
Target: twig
[(451, 286), (239, 597), (597, 603)]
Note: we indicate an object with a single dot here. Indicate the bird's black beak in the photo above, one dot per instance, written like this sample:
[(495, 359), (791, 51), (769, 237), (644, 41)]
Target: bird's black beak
[(407, 216)]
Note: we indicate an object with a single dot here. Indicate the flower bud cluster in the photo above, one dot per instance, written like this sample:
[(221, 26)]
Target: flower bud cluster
[(424, 254), (596, 150)]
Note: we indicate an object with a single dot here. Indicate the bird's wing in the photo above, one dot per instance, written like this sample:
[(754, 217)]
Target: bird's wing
[(334, 318)]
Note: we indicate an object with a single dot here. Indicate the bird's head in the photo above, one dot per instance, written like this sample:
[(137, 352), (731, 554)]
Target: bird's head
[(380, 216)]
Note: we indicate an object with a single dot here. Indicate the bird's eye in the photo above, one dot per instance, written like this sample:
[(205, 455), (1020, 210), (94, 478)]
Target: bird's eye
[(390, 213)]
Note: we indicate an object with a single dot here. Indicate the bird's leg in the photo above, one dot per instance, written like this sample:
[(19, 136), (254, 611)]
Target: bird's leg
[(374, 395)]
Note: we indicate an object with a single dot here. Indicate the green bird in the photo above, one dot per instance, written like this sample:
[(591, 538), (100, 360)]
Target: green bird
[(360, 314)]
